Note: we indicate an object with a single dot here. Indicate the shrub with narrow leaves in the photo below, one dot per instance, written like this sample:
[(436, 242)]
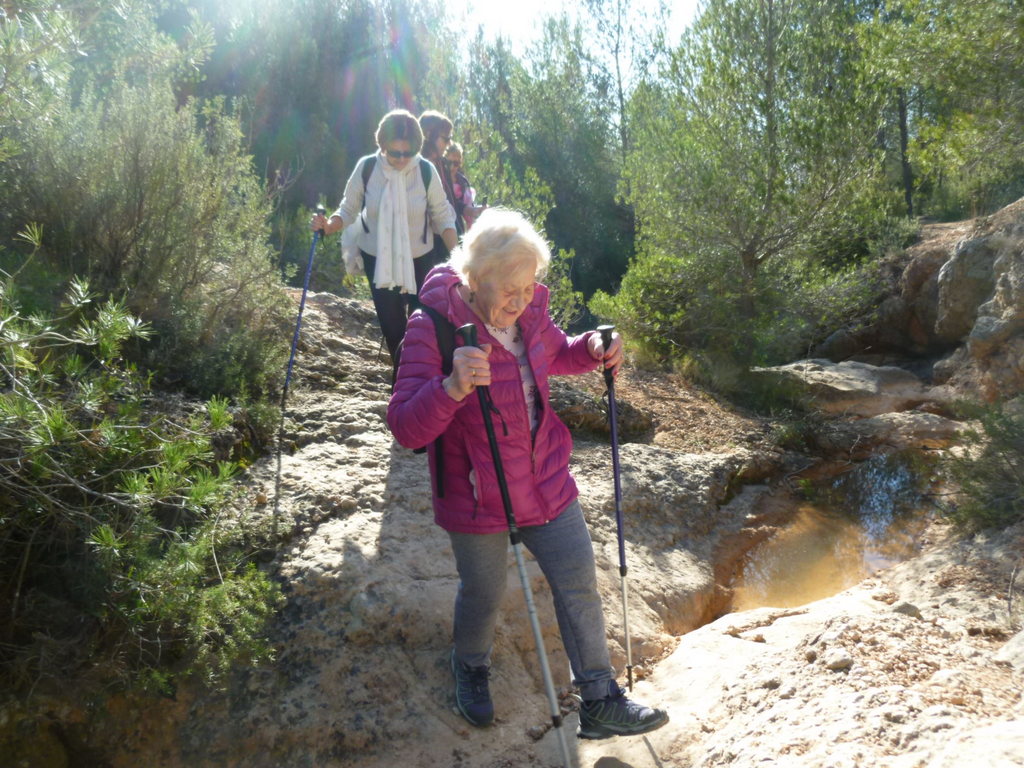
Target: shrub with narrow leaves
[(990, 473), (118, 556)]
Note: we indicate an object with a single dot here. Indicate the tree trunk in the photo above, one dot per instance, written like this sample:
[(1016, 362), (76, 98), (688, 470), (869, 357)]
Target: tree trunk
[(908, 173)]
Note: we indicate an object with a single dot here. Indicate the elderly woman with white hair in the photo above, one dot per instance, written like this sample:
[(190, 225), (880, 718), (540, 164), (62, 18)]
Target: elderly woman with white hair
[(492, 282)]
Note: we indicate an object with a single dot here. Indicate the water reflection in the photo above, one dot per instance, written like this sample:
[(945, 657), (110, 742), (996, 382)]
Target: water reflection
[(864, 520)]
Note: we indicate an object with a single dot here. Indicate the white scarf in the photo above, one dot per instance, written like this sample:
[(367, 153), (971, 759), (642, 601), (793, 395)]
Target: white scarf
[(394, 252)]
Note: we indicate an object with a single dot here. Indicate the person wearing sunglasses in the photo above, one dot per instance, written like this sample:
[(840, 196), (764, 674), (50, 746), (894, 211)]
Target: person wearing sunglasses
[(437, 137), (396, 201)]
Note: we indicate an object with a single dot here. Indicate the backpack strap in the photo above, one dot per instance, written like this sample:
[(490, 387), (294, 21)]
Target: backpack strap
[(425, 172), (444, 331), (368, 165), (427, 175)]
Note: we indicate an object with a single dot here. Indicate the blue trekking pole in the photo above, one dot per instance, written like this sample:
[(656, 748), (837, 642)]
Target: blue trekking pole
[(302, 305), (609, 380), (468, 335), (291, 363)]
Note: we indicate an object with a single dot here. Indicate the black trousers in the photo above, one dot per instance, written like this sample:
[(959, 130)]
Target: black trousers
[(393, 308)]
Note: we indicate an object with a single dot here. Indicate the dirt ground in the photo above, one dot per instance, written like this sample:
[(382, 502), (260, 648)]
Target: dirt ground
[(685, 417)]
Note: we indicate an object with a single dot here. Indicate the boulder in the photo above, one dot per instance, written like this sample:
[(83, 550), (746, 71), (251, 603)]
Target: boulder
[(858, 439), (908, 429), (1013, 652), (919, 291), (994, 359), (851, 387), (584, 412), (964, 283), (958, 293)]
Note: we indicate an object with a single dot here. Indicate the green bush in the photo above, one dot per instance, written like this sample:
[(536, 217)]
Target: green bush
[(119, 560), (990, 472), (566, 303), (692, 308), (155, 202), (651, 306)]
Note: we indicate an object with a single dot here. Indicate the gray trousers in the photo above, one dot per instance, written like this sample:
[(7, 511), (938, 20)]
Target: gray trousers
[(565, 554)]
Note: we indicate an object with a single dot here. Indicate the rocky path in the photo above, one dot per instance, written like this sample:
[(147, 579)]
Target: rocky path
[(919, 666)]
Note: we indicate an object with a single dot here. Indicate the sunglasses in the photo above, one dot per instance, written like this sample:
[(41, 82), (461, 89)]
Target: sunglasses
[(397, 154)]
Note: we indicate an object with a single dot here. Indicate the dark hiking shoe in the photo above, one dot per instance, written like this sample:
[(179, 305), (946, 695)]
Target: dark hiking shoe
[(615, 715), (472, 696)]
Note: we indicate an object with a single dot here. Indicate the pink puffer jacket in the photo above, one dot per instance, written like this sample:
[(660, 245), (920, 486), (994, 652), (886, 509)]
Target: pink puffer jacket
[(537, 470)]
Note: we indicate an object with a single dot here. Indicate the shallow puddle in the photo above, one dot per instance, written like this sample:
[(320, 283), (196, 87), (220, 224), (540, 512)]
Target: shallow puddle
[(855, 525)]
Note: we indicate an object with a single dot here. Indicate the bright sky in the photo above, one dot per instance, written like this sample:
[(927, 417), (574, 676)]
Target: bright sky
[(519, 20)]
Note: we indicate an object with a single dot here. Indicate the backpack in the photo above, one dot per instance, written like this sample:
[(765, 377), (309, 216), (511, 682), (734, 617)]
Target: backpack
[(368, 165), (444, 331)]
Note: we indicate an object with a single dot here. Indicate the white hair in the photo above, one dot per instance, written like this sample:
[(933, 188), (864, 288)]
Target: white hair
[(500, 239)]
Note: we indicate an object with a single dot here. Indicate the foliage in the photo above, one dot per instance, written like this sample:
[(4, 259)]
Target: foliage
[(149, 204), (990, 472), (311, 95), (631, 41), (564, 128), (749, 152), (538, 136), (666, 308), (36, 49), (116, 560), (956, 72), (566, 303), (121, 46)]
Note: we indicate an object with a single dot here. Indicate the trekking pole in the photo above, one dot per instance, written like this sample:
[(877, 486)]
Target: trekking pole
[(288, 375), (609, 380), (468, 335)]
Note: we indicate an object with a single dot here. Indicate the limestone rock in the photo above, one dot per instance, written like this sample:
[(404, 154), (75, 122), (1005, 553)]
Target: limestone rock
[(850, 387), (583, 412), (907, 429), (1000, 744), (958, 295), (964, 283), (1013, 652)]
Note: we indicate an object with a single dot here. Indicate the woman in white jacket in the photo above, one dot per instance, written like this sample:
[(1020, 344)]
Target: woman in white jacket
[(397, 200)]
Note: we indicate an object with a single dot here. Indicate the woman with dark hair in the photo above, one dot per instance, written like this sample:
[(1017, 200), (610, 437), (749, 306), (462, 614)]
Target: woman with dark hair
[(466, 208), (397, 200), (437, 136)]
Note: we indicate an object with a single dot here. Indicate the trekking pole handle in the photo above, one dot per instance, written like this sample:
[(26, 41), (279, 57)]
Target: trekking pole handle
[(322, 212), (467, 333), (606, 342)]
